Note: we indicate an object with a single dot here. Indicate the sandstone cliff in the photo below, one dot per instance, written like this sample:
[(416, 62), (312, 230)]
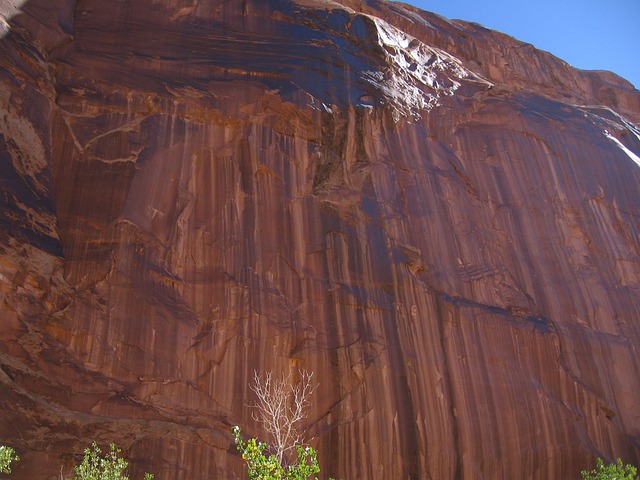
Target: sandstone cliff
[(440, 221)]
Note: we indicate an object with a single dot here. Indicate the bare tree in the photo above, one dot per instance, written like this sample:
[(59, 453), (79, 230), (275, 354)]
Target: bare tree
[(281, 406)]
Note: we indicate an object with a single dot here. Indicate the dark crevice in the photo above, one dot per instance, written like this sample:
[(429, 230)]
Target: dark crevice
[(517, 314)]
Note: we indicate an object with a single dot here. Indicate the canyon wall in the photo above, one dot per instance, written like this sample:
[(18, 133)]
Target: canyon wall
[(441, 222)]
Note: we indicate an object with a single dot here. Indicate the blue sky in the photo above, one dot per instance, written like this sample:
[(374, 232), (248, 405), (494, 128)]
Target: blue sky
[(588, 34)]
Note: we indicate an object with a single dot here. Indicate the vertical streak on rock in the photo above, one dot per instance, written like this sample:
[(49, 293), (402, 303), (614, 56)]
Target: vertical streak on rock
[(404, 418), (444, 320)]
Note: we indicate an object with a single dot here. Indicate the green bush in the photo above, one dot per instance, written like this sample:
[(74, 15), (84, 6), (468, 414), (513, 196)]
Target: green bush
[(263, 466), (107, 467), (7, 455), (613, 471)]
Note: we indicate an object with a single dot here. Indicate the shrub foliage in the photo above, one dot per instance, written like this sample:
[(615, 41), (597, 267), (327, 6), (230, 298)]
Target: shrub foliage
[(280, 408), (264, 466), (613, 471), (7, 455), (111, 466)]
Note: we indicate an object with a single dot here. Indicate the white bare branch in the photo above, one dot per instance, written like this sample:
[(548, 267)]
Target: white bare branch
[(281, 406)]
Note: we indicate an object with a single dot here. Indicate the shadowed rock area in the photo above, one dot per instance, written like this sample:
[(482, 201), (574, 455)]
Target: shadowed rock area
[(441, 222)]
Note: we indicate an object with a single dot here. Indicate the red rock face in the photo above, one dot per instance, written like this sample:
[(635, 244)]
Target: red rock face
[(439, 221)]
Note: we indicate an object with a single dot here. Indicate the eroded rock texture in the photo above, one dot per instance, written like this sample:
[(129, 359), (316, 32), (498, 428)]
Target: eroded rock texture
[(439, 221)]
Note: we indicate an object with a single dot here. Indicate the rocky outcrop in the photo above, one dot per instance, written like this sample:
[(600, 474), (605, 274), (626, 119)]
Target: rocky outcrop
[(439, 221)]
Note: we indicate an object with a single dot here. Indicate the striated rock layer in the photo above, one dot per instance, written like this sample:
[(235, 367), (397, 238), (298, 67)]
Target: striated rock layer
[(440, 221)]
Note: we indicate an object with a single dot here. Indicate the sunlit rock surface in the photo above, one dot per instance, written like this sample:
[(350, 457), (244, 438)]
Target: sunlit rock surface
[(440, 221)]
